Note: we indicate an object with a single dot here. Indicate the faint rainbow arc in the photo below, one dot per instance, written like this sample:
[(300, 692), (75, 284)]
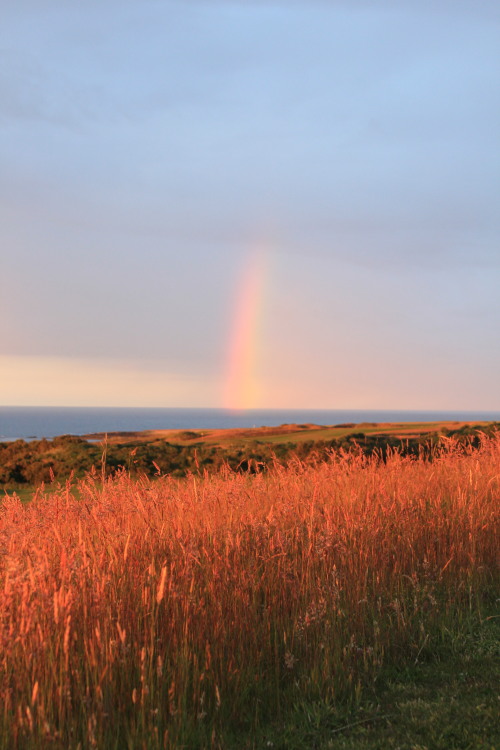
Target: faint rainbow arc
[(241, 387)]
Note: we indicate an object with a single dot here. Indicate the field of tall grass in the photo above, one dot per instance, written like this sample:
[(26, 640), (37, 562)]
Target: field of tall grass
[(172, 613)]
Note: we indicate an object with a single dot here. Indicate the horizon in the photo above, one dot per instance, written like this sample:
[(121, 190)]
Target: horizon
[(243, 206), (237, 412), (35, 422)]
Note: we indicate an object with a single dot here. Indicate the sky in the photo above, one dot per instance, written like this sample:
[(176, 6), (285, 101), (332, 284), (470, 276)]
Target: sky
[(250, 204)]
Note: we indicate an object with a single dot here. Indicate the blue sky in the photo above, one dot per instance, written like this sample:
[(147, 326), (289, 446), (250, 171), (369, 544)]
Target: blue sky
[(147, 148)]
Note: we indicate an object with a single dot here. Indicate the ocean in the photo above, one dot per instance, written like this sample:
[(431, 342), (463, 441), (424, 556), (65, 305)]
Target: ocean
[(35, 422)]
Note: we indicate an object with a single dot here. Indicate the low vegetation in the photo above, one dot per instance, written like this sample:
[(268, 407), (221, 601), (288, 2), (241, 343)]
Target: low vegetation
[(28, 464), (238, 609)]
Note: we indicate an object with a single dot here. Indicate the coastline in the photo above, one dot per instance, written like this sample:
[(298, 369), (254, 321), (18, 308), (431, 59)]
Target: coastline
[(35, 423)]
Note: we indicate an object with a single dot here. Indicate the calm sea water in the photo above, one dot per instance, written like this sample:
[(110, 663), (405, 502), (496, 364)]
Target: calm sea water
[(30, 422)]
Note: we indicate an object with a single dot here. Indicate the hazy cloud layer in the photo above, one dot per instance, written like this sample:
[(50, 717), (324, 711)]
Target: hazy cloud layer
[(146, 147)]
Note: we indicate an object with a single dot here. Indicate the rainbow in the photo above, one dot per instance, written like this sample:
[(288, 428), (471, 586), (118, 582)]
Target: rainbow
[(241, 384)]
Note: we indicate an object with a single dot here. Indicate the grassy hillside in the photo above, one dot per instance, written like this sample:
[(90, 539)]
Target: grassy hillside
[(277, 609), (26, 465)]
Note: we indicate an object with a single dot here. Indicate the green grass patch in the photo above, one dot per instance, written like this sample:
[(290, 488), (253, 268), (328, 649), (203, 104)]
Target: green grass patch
[(449, 701), (25, 493)]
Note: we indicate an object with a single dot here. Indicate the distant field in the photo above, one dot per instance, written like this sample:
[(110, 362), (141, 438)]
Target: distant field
[(290, 433)]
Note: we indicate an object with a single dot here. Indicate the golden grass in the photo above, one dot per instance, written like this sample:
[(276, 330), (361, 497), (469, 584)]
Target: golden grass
[(166, 613)]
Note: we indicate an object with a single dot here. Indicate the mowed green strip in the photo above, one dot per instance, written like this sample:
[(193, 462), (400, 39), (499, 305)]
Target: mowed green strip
[(303, 436)]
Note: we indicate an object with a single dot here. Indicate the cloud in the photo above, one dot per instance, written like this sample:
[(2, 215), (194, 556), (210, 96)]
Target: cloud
[(60, 381), (145, 146), (32, 91)]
